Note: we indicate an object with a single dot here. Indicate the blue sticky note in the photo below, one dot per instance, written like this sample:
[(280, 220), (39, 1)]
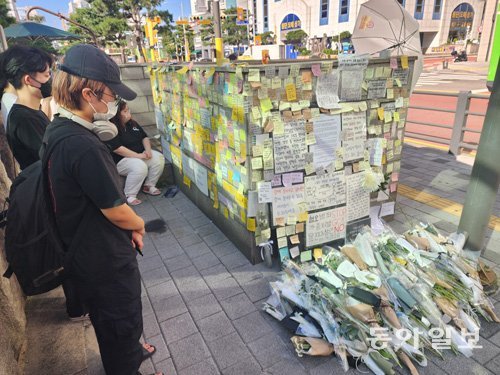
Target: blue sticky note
[(284, 254)]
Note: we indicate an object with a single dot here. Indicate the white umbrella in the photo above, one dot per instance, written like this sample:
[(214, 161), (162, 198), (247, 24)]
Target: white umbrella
[(385, 25)]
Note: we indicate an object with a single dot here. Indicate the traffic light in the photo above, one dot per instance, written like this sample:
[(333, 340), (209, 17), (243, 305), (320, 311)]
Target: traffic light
[(241, 16), (151, 29)]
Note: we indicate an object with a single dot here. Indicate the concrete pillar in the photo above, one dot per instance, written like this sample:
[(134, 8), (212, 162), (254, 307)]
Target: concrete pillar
[(488, 27)]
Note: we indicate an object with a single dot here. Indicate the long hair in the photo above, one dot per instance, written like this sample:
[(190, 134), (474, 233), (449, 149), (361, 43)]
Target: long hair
[(117, 119)]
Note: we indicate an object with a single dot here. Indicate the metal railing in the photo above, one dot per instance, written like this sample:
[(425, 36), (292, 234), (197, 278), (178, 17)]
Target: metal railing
[(458, 127)]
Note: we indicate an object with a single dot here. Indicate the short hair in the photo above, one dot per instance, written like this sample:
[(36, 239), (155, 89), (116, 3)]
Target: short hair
[(67, 89), (18, 60)]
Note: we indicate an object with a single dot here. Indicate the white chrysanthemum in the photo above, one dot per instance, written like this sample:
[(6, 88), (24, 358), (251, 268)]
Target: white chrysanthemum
[(373, 179)]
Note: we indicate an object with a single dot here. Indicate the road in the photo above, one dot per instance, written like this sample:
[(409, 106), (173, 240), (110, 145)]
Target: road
[(464, 77)]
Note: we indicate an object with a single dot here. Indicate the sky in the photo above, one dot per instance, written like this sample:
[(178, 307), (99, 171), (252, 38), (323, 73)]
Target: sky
[(173, 6)]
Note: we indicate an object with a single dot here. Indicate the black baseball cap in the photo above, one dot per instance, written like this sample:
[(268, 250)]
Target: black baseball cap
[(88, 61)]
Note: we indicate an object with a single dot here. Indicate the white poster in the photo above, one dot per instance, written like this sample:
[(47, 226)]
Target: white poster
[(327, 132), (188, 166), (201, 177), (324, 191), (352, 71), (290, 148), (358, 199), (327, 90), (354, 126), (354, 150), (325, 226), (288, 201)]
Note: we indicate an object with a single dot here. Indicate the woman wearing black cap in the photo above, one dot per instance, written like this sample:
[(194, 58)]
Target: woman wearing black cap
[(87, 196)]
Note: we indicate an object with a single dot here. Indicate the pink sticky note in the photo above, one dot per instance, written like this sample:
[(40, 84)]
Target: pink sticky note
[(394, 63), (316, 69), (395, 177), (393, 187), (287, 179), (276, 180)]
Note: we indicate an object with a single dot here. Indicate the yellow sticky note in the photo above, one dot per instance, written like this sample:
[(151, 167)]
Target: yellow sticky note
[(404, 62), (387, 117), (253, 75), (256, 113), (226, 213), (380, 113), (183, 70), (390, 93), (276, 83), (318, 254), (210, 72), (398, 82), (186, 181), (266, 105), (396, 116), (243, 216), (302, 216), (291, 92), (251, 224), (257, 163)]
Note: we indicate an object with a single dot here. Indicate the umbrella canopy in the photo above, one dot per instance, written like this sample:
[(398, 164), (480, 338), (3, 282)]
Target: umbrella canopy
[(35, 31), (385, 25)]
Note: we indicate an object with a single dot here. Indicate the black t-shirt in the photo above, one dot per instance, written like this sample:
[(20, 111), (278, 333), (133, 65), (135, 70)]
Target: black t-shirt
[(25, 131), (130, 136), (83, 180)]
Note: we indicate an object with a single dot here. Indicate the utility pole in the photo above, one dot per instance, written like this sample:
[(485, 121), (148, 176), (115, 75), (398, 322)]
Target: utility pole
[(484, 179), (219, 45)]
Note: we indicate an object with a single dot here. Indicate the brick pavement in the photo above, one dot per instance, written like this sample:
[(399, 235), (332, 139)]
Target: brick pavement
[(202, 299)]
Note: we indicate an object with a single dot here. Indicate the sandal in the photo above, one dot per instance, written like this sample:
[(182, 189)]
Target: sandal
[(151, 190), (133, 201), (146, 353)]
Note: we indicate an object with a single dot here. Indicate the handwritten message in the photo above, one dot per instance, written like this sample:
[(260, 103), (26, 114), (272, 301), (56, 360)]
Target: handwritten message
[(325, 191), (287, 201), (354, 126), (358, 199), (327, 131), (327, 90), (325, 226), (376, 88), (290, 148)]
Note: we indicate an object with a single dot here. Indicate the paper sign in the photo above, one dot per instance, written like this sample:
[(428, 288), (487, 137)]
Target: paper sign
[(387, 209), (376, 88), (264, 190), (325, 226), (286, 201), (327, 129), (201, 178), (290, 148), (358, 199), (252, 204), (325, 191), (327, 90)]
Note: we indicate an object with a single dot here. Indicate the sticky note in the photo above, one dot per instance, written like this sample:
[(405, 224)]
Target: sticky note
[(306, 256), (256, 113), (390, 93), (318, 254), (299, 228), (396, 116), (282, 242), (279, 128), (295, 239), (183, 70), (280, 232), (251, 224), (257, 163), (186, 181), (404, 62), (226, 213), (280, 221), (276, 83), (253, 75), (316, 70), (380, 113), (291, 92), (266, 105), (302, 216), (290, 230), (394, 63), (294, 252), (284, 254)]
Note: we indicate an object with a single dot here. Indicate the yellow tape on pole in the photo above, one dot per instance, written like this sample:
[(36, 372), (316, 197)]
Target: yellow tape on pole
[(219, 52)]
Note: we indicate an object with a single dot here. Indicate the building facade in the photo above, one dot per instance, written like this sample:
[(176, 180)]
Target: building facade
[(11, 5), (76, 4), (441, 21)]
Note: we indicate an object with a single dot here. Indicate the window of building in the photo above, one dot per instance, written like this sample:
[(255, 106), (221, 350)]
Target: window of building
[(436, 14), (402, 2), (266, 15), (323, 12), (419, 9), (344, 11)]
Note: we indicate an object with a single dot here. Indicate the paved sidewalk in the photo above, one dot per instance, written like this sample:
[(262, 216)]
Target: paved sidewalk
[(202, 298)]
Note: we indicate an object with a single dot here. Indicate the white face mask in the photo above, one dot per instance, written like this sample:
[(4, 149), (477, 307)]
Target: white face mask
[(112, 110)]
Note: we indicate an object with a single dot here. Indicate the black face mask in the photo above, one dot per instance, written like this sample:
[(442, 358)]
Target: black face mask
[(45, 88)]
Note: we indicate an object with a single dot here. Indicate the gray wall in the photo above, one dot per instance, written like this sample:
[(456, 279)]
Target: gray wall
[(136, 77)]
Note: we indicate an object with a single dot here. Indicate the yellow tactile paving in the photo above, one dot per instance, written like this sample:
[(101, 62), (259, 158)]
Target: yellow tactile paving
[(442, 204)]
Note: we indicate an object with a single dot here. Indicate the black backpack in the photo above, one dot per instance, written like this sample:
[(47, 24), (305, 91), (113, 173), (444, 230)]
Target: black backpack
[(33, 247)]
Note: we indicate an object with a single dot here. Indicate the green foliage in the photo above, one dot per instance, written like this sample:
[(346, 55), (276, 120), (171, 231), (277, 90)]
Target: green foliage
[(304, 51), (207, 34), (5, 19), (296, 37), (173, 39), (329, 51), (268, 38), (104, 20), (233, 34)]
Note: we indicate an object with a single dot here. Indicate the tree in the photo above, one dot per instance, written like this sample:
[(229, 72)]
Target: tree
[(37, 19), (173, 39), (104, 20), (296, 37), (233, 34), (207, 34), (268, 38), (5, 19)]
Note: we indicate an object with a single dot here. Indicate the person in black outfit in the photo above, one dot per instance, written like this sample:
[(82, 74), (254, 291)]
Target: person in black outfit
[(27, 69), (134, 157), (87, 197)]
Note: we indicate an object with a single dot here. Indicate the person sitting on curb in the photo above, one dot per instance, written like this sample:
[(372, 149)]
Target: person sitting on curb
[(134, 157)]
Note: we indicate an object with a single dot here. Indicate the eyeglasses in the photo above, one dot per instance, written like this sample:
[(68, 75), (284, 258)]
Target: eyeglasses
[(116, 98)]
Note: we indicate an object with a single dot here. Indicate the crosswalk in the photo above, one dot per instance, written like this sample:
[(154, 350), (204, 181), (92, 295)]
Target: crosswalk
[(438, 78)]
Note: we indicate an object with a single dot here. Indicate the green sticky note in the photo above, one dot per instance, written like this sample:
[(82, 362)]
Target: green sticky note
[(284, 254), (266, 105), (306, 256)]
